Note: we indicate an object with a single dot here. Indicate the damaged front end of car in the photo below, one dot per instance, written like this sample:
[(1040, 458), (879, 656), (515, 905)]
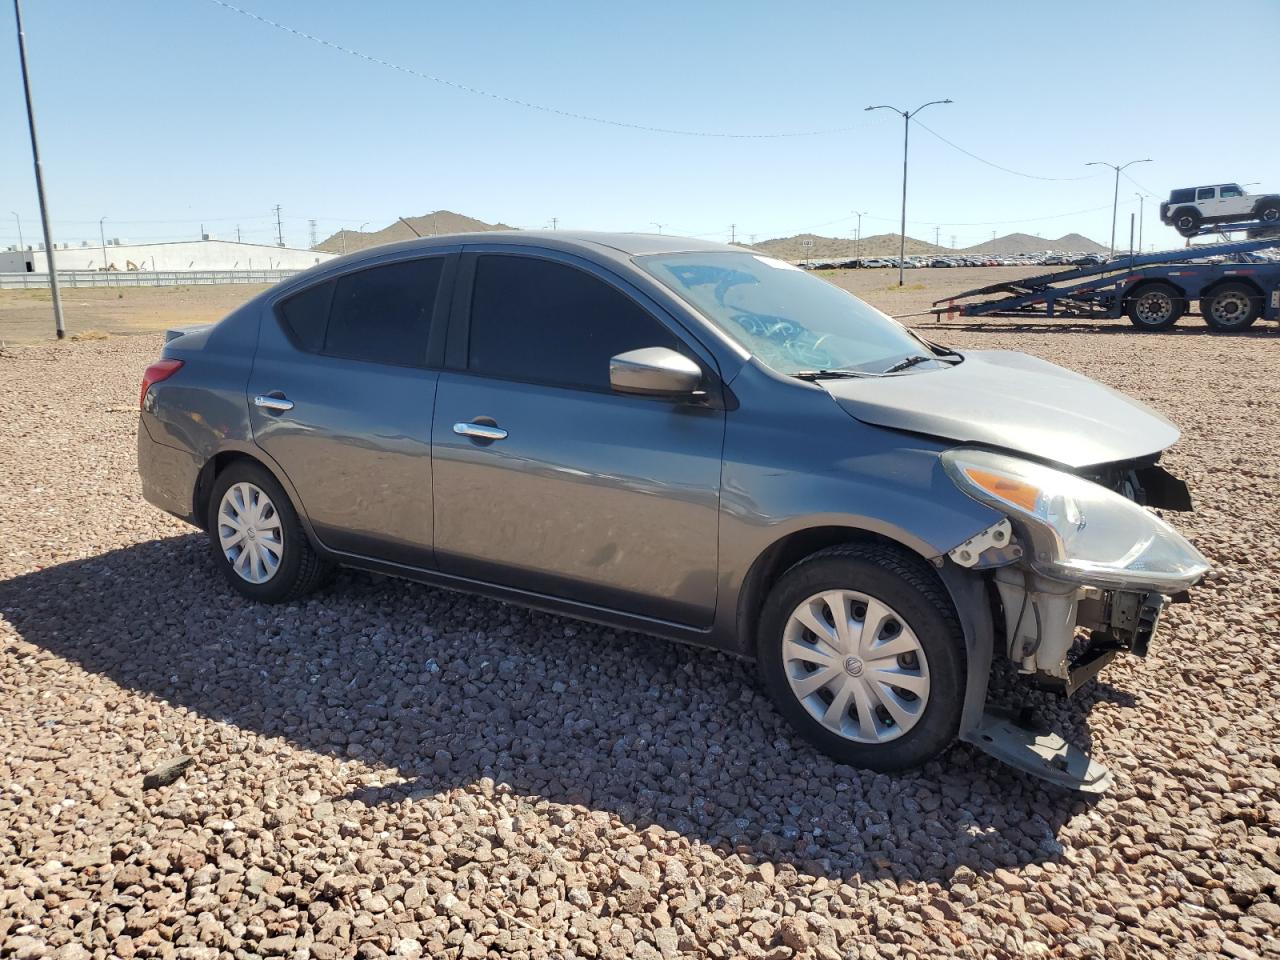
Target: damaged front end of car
[(1081, 571)]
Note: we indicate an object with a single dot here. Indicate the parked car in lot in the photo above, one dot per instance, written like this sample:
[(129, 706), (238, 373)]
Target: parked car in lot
[(689, 440)]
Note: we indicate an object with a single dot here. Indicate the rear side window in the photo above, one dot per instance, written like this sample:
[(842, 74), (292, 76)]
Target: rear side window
[(545, 322), (1231, 192), (383, 314), (306, 314)]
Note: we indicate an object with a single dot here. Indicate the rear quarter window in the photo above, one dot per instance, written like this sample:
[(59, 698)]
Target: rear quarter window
[(1182, 196), (306, 314)]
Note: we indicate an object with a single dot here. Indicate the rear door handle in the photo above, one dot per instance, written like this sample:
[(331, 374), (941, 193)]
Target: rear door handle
[(274, 403), (480, 431)]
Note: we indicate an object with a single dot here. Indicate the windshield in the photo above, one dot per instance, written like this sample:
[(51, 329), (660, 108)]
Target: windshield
[(789, 319)]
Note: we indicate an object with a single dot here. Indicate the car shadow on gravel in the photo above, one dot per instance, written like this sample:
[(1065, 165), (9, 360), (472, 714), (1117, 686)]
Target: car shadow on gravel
[(442, 689)]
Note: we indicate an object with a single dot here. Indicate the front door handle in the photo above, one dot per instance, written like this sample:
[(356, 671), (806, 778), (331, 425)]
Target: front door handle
[(276, 403), (487, 432)]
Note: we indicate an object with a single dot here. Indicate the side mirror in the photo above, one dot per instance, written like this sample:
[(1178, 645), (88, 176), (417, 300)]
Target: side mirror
[(655, 372)]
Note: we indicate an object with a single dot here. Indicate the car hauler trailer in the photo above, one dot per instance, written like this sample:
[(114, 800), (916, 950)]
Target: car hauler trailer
[(1153, 290)]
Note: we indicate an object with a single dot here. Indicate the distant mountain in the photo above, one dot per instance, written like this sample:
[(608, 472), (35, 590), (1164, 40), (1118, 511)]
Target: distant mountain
[(1025, 243), (824, 248), (430, 224)]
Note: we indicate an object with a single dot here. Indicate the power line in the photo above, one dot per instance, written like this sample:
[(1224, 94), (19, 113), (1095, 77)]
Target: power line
[(503, 98), (989, 163)]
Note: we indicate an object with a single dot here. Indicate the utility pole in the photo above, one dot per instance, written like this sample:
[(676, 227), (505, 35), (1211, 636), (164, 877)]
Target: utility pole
[(857, 237), (237, 233), (554, 222), (102, 235), (1115, 199), (1142, 204), (906, 133), (953, 241), (21, 249), (279, 228), (937, 236), (59, 327), (733, 233), (658, 225)]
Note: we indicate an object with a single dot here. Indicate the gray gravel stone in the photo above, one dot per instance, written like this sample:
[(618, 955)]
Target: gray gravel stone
[(384, 765)]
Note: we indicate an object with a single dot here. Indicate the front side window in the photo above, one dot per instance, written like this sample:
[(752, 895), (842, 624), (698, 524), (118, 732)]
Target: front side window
[(545, 322), (1205, 193), (787, 318)]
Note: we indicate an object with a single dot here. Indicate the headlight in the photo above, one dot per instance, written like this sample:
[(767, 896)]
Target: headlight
[(1078, 530)]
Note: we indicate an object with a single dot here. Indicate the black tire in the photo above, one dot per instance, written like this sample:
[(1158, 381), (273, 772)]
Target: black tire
[(1268, 210), (911, 590), (300, 569), (1154, 305), (1231, 307), (1186, 221)]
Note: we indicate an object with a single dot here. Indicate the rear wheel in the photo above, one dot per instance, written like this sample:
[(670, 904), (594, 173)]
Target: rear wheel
[(1231, 307), (1187, 221), (861, 651), (1154, 306), (1269, 210), (257, 539)]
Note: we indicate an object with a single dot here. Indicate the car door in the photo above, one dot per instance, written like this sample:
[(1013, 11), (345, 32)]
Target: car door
[(569, 489), (341, 396), (1207, 201)]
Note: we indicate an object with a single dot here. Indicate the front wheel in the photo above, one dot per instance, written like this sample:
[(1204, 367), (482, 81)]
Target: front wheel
[(861, 651), (1269, 211), (257, 539)]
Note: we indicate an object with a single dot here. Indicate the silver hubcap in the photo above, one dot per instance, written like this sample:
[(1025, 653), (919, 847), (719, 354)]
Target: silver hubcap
[(856, 666), (250, 533), (1154, 307), (1230, 307)]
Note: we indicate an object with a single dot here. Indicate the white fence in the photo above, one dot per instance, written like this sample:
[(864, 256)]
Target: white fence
[(140, 278)]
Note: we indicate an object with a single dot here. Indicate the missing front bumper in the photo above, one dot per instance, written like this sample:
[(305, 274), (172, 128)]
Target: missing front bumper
[(1038, 751)]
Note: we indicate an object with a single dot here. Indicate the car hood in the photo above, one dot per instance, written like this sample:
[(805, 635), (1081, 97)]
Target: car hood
[(1014, 401)]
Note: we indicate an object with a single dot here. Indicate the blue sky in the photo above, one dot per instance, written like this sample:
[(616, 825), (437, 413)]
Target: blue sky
[(164, 115)]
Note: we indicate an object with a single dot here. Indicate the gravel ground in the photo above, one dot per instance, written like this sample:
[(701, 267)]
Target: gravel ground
[(392, 769)]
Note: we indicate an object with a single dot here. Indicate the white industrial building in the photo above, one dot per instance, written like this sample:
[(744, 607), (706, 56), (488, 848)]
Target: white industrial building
[(176, 256)]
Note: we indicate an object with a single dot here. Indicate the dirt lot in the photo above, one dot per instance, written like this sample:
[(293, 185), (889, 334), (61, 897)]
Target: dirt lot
[(391, 769), (26, 316)]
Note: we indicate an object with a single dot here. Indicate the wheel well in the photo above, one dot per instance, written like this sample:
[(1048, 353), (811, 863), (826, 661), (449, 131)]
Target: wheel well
[(1266, 202), (208, 474), (780, 557), (1153, 281), (1185, 208)]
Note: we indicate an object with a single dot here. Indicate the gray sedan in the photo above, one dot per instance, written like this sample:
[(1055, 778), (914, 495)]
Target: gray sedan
[(694, 441)]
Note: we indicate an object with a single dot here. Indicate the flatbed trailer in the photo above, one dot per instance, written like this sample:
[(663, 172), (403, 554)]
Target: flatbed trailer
[(1153, 289)]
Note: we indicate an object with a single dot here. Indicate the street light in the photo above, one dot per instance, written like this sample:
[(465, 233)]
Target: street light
[(102, 235), (1142, 205), (658, 225), (906, 130), (21, 249), (857, 237), (1115, 201)]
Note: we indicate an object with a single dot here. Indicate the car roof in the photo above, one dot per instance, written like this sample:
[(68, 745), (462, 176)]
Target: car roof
[(584, 241)]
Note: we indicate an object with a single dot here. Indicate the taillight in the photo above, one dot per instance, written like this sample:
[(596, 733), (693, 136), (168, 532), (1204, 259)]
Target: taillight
[(157, 372)]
